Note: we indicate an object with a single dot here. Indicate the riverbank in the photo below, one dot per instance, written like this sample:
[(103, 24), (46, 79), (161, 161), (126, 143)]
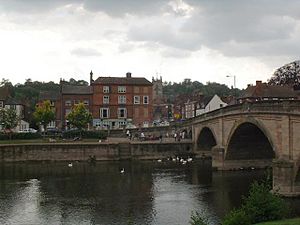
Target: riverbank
[(295, 221), (111, 149)]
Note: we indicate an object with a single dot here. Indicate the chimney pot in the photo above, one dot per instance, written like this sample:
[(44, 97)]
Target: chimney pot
[(258, 82), (128, 75)]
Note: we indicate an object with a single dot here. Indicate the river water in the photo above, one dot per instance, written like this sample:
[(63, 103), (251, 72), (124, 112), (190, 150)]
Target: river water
[(147, 193)]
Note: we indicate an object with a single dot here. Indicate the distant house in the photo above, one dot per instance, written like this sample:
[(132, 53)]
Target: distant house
[(263, 91), (209, 104), (20, 111), (55, 103), (72, 95)]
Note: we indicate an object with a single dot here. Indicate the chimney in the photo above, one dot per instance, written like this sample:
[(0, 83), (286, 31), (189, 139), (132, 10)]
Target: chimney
[(128, 75), (258, 83), (91, 77)]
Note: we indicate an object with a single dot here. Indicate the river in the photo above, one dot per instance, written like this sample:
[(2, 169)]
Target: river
[(147, 193)]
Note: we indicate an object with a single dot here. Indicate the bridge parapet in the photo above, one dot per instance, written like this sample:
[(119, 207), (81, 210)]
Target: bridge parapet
[(268, 106)]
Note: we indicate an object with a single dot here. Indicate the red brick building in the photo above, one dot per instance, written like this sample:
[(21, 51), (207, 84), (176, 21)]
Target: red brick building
[(114, 102), (73, 95), (119, 101)]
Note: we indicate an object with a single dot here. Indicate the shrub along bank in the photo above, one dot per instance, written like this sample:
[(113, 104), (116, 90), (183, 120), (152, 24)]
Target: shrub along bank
[(259, 206), (20, 136)]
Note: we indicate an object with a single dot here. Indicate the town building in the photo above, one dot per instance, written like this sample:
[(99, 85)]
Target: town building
[(55, 103), (209, 104), (19, 108), (114, 102), (71, 95), (263, 92), (122, 101)]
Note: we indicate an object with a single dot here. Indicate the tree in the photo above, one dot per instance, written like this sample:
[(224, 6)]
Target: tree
[(288, 74), (44, 114), (79, 117), (8, 119)]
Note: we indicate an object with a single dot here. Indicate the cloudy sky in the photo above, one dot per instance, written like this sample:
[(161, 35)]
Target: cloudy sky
[(204, 40)]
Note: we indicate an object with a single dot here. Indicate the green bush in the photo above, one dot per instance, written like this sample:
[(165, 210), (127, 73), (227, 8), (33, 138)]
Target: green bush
[(236, 217), (20, 136), (84, 134), (263, 205), (197, 219)]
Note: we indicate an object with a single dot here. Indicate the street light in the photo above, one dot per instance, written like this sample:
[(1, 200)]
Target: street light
[(234, 80)]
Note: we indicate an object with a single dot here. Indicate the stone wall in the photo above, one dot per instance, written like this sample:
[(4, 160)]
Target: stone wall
[(88, 151)]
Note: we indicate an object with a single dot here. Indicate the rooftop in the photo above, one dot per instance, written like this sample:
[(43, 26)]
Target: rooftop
[(77, 90), (265, 90), (123, 80)]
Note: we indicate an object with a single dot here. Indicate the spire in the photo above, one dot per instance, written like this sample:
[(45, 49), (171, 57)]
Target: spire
[(91, 77)]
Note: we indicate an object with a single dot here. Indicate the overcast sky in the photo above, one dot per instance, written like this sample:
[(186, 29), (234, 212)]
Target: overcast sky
[(203, 40)]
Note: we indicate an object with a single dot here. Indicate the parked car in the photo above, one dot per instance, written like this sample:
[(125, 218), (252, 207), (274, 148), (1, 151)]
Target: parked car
[(52, 131), (29, 130)]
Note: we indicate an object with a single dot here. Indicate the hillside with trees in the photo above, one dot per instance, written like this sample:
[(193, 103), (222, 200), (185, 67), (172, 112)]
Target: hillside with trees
[(171, 90)]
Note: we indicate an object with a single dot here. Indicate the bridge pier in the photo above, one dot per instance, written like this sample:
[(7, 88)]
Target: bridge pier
[(284, 178), (218, 157)]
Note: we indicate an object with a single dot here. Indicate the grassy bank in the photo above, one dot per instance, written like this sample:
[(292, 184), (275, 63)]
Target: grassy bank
[(295, 221)]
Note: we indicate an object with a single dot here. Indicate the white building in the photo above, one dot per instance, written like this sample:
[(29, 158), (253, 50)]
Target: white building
[(214, 103), (19, 108)]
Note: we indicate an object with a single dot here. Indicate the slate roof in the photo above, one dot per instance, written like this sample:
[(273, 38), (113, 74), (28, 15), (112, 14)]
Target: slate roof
[(123, 80), (77, 90), (11, 101), (264, 90), (49, 95)]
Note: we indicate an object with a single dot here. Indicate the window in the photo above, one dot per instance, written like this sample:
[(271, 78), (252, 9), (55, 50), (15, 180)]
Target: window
[(105, 99), (146, 100), (104, 113), (105, 89), (122, 113), (1, 104), (136, 100), (122, 99), (86, 102), (68, 103), (121, 89), (52, 103), (122, 123), (76, 102), (13, 107)]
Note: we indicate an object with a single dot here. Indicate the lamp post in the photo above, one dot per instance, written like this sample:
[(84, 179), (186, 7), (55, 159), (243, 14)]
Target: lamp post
[(234, 84), (234, 80)]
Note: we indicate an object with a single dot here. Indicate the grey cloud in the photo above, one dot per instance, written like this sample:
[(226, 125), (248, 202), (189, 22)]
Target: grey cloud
[(32, 6), (234, 27), (111, 7), (85, 52)]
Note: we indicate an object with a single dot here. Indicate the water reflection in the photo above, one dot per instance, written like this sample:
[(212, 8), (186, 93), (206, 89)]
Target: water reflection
[(147, 193)]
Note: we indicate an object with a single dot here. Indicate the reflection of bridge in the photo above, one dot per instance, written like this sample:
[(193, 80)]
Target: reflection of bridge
[(254, 135)]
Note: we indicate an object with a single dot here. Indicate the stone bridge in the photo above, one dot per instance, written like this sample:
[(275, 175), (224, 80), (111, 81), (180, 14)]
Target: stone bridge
[(253, 135)]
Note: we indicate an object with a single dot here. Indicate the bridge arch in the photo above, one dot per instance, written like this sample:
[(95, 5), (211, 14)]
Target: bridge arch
[(206, 139), (249, 139)]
